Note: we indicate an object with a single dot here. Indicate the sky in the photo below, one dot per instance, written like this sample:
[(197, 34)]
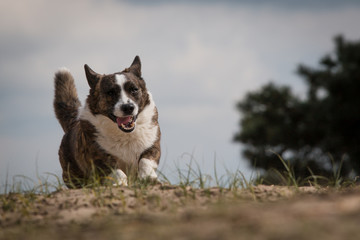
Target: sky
[(198, 58)]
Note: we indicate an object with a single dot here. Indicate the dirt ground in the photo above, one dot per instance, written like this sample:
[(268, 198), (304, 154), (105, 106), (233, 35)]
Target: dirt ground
[(174, 212)]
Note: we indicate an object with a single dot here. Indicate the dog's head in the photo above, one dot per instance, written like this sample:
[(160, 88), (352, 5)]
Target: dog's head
[(120, 96)]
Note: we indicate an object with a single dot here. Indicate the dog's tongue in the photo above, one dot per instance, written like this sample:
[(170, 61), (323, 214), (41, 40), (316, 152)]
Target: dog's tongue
[(123, 120)]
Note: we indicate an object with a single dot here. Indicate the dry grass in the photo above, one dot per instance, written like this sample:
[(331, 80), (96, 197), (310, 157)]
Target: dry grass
[(194, 208)]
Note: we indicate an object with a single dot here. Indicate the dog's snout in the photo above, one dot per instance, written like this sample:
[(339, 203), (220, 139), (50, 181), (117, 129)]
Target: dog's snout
[(128, 108)]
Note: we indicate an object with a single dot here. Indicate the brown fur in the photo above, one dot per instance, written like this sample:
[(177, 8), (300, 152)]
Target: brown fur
[(80, 155), (66, 103)]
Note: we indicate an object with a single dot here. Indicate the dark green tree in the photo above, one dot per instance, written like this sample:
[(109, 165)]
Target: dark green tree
[(317, 134)]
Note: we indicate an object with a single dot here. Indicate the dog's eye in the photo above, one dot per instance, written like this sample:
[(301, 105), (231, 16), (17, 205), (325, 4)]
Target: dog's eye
[(111, 93), (134, 90)]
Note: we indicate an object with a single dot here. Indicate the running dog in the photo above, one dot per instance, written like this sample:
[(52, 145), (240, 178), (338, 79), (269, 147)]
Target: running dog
[(115, 133)]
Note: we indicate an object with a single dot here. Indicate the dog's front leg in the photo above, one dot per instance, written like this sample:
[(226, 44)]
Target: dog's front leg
[(147, 169), (119, 178), (149, 161)]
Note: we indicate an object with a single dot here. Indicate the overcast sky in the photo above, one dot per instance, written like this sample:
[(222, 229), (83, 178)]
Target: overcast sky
[(198, 57)]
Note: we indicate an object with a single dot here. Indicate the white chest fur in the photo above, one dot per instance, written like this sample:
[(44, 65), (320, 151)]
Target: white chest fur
[(126, 147)]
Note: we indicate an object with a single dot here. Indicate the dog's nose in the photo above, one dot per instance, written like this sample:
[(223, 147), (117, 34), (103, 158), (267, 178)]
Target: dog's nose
[(128, 108)]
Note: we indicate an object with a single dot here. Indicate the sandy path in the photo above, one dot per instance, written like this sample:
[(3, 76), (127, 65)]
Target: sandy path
[(172, 212)]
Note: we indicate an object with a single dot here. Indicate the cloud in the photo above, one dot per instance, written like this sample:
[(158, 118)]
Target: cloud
[(312, 5)]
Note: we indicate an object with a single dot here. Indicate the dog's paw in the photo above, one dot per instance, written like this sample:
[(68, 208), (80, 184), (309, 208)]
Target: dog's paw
[(147, 169), (119, 178)]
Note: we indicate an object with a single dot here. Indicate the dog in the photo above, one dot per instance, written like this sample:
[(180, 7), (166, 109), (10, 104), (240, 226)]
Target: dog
[(115, 133)]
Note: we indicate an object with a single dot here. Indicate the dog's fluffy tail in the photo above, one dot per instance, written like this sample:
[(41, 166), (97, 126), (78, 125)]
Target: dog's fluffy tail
[(66, 102)]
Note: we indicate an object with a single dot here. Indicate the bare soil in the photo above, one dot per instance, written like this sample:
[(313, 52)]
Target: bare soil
[(174, 212)]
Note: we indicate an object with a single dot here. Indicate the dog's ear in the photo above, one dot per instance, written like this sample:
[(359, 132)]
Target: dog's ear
[(135, 67), (92, 76)]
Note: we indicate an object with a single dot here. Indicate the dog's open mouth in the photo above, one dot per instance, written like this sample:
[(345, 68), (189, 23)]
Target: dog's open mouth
[(126, 124)]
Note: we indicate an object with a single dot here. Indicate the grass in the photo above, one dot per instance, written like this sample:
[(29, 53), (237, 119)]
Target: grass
[(23, 191), (230, 200), (287, 176), (45, 184), (189, 177)]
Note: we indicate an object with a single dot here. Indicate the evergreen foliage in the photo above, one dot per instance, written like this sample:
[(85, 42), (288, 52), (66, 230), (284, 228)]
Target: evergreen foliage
[(316, 135)]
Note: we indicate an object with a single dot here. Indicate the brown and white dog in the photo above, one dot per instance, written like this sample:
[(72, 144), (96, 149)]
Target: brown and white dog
[(116, 132)]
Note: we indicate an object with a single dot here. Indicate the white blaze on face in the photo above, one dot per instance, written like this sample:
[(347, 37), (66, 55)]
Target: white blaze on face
[(124, 98)]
